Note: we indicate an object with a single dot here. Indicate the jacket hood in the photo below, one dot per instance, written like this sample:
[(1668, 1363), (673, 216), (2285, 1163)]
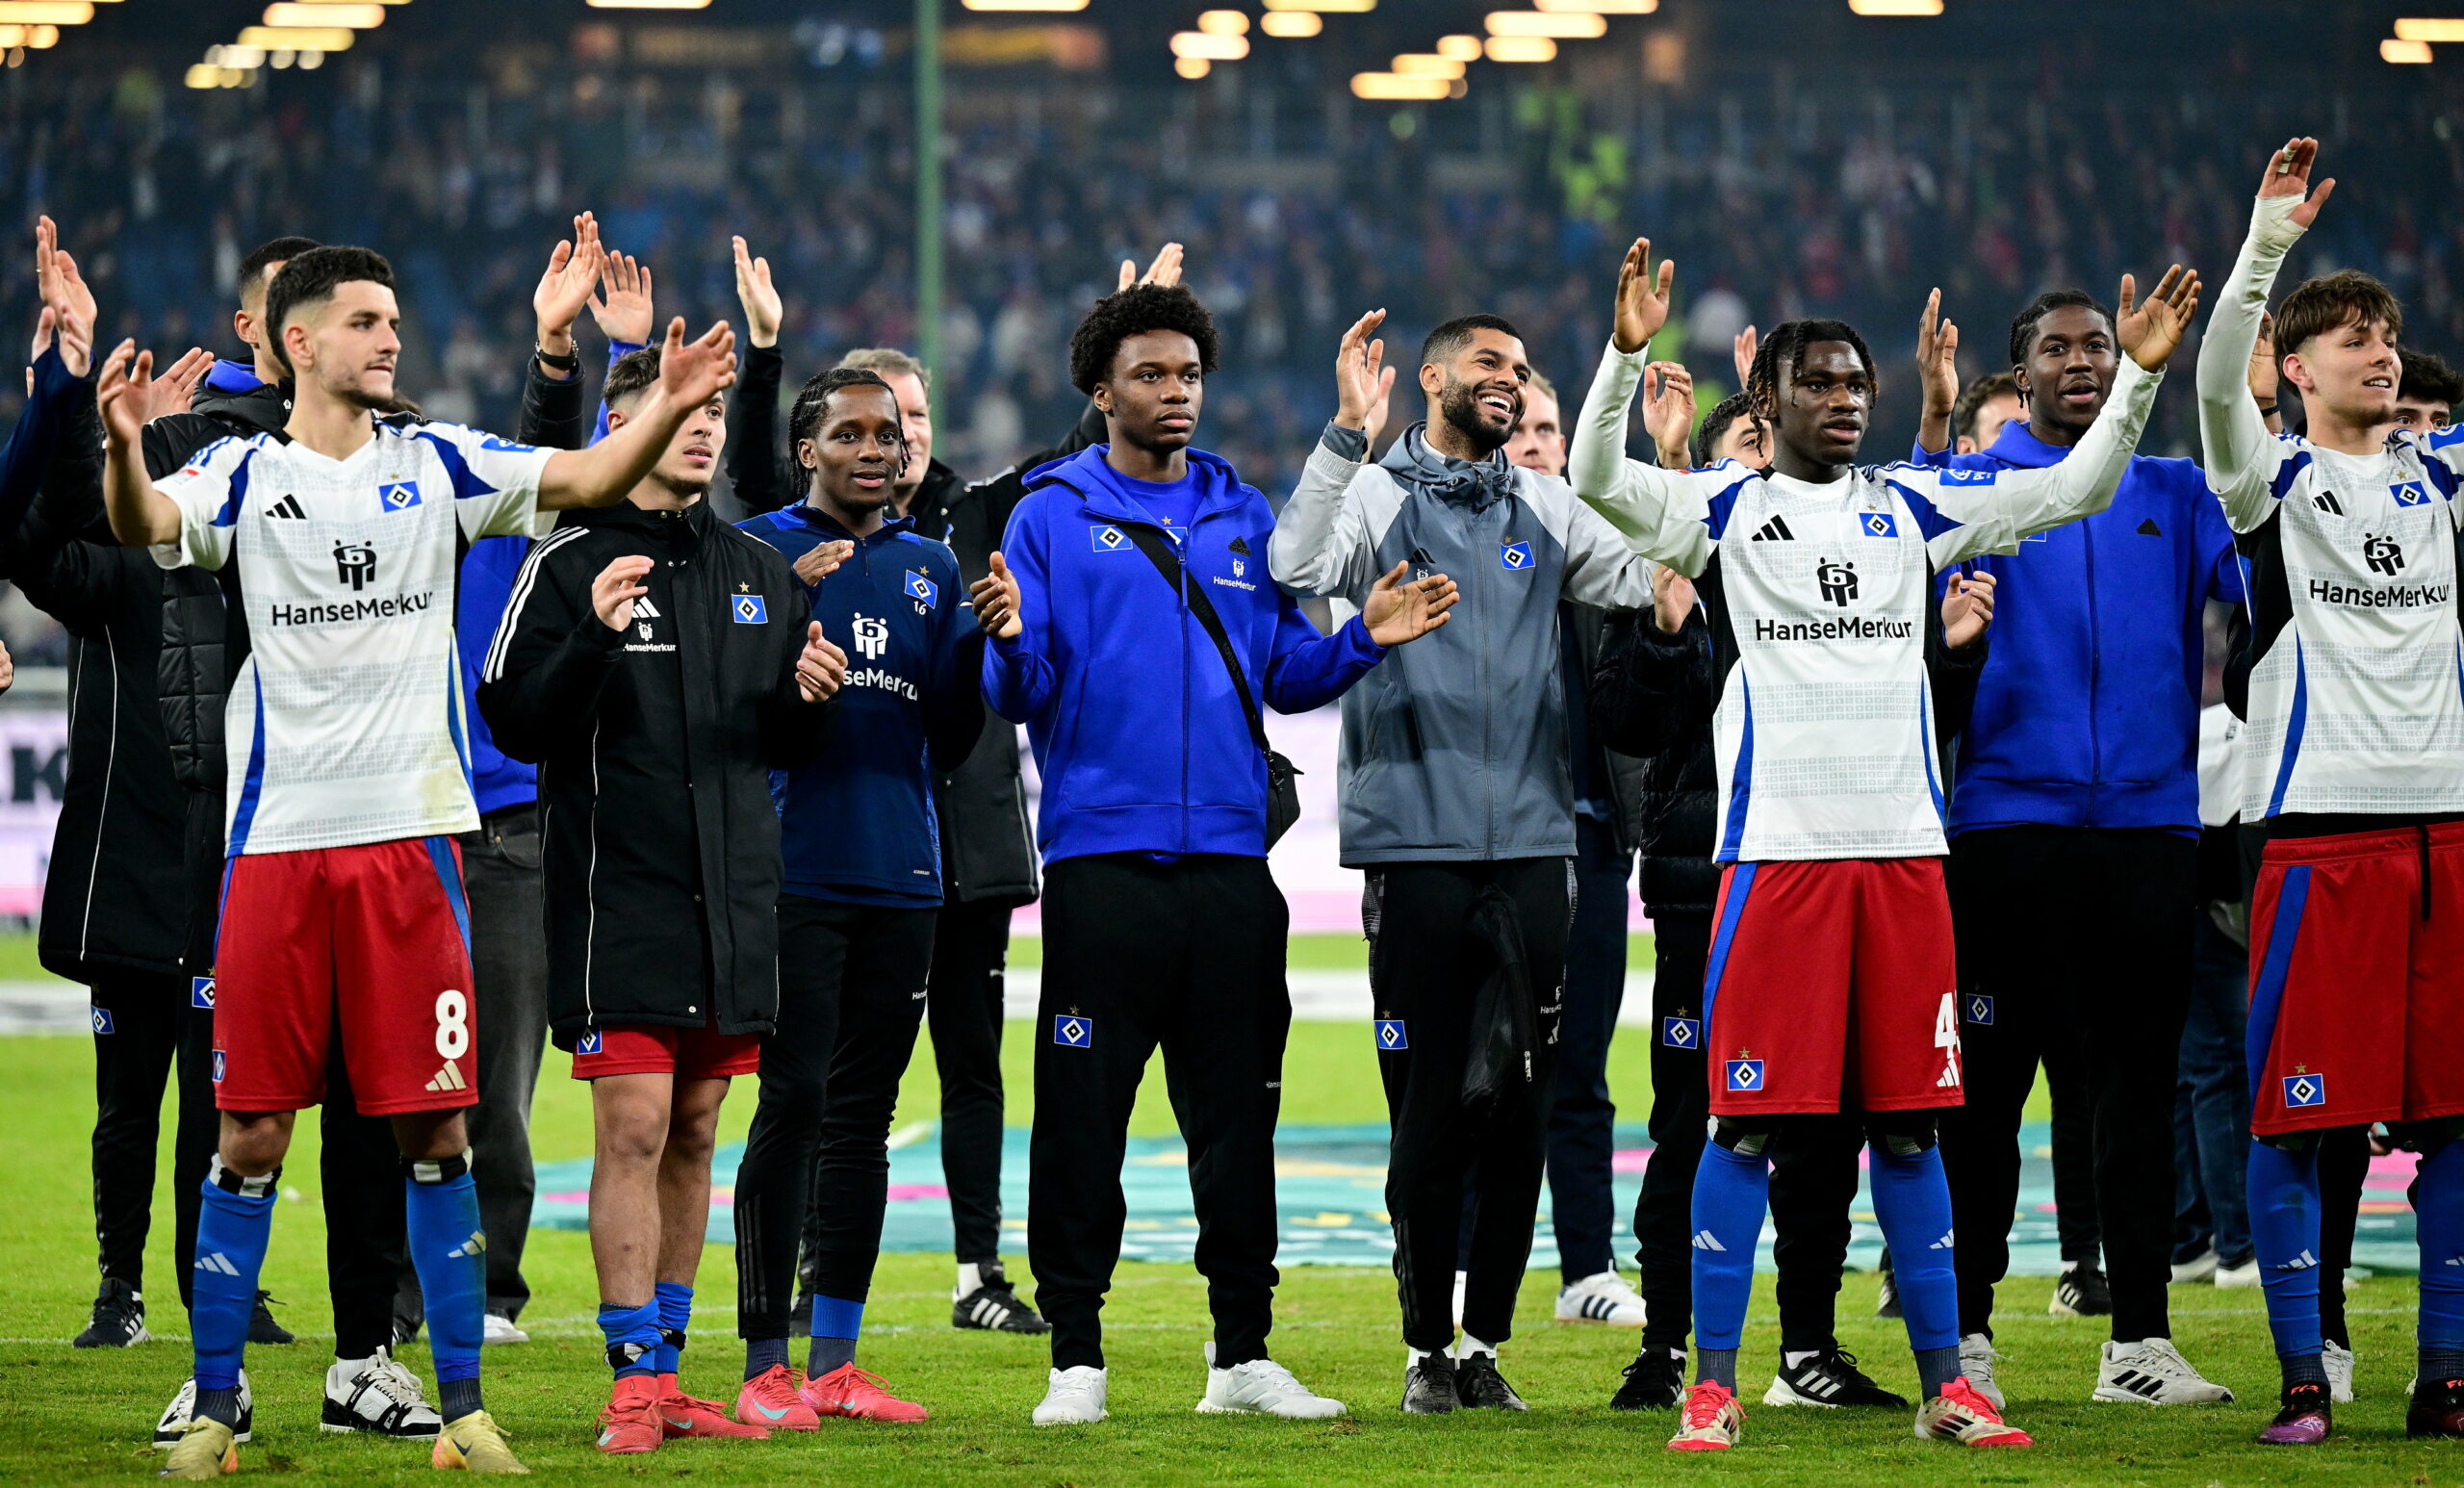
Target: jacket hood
[(232, 394), (1107, 496), (1411, 461)]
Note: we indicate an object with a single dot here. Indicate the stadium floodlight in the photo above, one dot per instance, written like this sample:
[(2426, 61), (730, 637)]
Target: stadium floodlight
[(1192, 67), (1597, 7), (1023, 5), (1399, 86), (33, 38), (298, 38), (1459, 48), (1292, 23), (1223, 23), (1540, 23), (1896, 7), (1331, 7), (1522, 49), (2394, 50), (48, 13), (359, 17), (650, 5), (1427, 64), (2429, 28), (1209, 48)]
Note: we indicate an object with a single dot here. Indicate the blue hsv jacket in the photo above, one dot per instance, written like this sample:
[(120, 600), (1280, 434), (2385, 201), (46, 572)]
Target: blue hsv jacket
[(857, 823), (1137, 730), (2087, 712)]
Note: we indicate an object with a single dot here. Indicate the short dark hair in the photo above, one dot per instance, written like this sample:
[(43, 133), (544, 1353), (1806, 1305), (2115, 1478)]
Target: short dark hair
[(313, 275), (2428, 379), (2023, 326), (813, 397), (1784, 350), (633, 374), (1715, 425), (252, 268), (1450, 338), (2317, 306), (1976, 395), (1133, 312)]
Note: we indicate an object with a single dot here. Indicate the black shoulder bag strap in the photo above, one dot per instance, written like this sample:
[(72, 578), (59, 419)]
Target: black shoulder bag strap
[(1283, 789)]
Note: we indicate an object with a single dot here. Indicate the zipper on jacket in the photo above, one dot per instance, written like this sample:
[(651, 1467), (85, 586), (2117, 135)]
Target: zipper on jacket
[(2096, 675)]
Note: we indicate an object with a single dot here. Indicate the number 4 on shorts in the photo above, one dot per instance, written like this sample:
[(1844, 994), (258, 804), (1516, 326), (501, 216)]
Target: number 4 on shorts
[(1946, 1038)]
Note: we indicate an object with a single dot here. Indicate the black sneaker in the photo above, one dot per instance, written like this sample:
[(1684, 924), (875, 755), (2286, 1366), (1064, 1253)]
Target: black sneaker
[(1654, 1381), (995, 1307), (2082, 1293), (1480, 1386), (1831, 1379), (1428, 1387), (262, 1328), (2437, 1408), (1888, 1304), (118, 1321)]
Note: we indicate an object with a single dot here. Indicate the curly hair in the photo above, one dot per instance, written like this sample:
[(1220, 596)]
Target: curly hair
[(2428, 378), (813, 397), (2023, 326), (1784, 349), (1715, 425), (1132, 311)]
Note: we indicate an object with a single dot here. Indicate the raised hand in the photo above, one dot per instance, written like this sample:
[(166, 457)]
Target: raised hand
[(1748, 341), (1968, 609), (2289, 175), (1672, 599), (763, 309), (1166, 271), (1357, 363), (822, 560), (1642, 300), (1397, 612), (122, 393), (622, 307), (59, 285), (2151, 331), (1668, 405), (996, 598), (618, 585), (176, 387), (821, 667), (1938, 360), (573, 269), (76, 351), (1378, 411), (690, 374)]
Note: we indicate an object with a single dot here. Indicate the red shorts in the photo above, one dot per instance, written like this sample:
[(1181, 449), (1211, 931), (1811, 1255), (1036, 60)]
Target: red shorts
[(686, 1052), (2357, 980), (1831, 984), (368, 943)]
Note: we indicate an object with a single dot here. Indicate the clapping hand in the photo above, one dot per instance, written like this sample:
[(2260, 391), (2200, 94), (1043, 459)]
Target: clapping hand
[(822, 560), (1668, 410), (820, 667), (2289, 175), (573, 269), (1165, 271), (996, 598), (1937, 361), (2151, 331), (1642, 299), (1397, 612), (618, 585), (763, 310), (622, 307), (1360, 384), (1968, 609), (690, 374)]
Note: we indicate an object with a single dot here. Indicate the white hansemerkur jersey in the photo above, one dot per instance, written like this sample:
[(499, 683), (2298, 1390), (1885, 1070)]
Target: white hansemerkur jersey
[(1821, 599), (346, 724), (2357, 679)]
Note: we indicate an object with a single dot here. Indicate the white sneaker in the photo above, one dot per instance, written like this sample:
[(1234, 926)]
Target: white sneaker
[(379, 1397), (2186, 1273), (176, 1416), (1260, 1387), (2339, 1362), (1075, 1396), (2152, 1372), (1462, 1279), (503, 1330), (2245, 1274), (1976, 1362), (1601, 1299)]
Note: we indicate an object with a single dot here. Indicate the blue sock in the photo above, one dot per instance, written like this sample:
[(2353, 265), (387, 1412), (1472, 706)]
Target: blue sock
[(1731, 1192), (231, 1232), (2283, 1195), (2439, 1223), (632, 1335), (675, 1315), (1913, 1203), (762, 1356), (441, 1211), (837, 1323)]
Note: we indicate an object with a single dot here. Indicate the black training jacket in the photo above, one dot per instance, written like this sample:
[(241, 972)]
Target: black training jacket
[(655, 746)]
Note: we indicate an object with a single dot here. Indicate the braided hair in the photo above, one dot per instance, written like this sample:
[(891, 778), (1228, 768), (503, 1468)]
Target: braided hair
[(1784, 349), (805, 416)]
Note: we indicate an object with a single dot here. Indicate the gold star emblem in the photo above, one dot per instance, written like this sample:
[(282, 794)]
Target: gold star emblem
[(744, 588), (2300, 1069)]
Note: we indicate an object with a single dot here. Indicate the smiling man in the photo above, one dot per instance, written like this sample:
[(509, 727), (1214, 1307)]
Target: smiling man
[(1458, 799)]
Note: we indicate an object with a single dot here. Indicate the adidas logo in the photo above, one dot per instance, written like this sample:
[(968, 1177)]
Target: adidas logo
[(1241, 547), (218, 1262), (2300, 1263), (474, 1246), (644, 610), (1705, 1239), (1943, 1243), (1775, 530), (448, 1079), (2325, 500), (287, 508), (2137, 1383)]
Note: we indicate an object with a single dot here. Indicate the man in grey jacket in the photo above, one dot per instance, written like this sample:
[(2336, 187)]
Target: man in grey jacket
[(1457, 797)]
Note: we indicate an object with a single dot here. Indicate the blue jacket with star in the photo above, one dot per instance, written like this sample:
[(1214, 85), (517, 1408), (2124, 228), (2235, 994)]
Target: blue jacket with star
[(1140, 739), (2086, 714), (856, 824)]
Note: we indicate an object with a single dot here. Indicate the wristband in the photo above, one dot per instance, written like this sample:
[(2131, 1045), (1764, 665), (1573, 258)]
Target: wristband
[(570, 362)]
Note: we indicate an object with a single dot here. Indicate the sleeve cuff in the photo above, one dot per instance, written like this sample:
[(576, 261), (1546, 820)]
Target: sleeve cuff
[(1347, 445), (618, 350)]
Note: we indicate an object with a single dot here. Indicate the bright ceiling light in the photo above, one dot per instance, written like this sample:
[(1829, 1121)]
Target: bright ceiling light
[(1535, 23), (1597, 7), (2393, 50), (288, 12), (1522, 49), (1896, 7), (1427, 64), (1223, 23), (1192, 67), (48, 13), (650, 5), (34, 39), (298, 38), (1331, 7), (2429, 28), (1397, 85), (1211, 48), (1292, 23), (1459, 48), (1020, 5)]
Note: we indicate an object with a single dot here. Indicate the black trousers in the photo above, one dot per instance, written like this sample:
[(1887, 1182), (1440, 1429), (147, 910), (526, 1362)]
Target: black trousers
[(1582, 1118), (851, 997), (2344, 1167), (970, 950), (2078, 940), (143, 1027), (368, 1256), (1814, 1171), (1187, 956), (1427, 965), (509, 998)]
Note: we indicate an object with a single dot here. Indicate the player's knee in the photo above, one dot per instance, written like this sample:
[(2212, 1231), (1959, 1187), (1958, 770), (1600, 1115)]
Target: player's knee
[(255, 1144), (1902, 1135), (1744, 1139), (431, 1136)]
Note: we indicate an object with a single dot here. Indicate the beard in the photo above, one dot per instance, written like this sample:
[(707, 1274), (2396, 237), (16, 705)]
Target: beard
[(1459, 404)]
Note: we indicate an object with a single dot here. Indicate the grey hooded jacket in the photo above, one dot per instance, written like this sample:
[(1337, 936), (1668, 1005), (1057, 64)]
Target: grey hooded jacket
[(1455, 751)]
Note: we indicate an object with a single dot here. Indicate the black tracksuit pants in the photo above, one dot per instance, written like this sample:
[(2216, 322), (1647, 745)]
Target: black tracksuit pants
[(2079, 941), (1188, 956), (1427, 965), (143, 1027), (1582, 1119), (970, 949), (851, 997), (1813, 1169)]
